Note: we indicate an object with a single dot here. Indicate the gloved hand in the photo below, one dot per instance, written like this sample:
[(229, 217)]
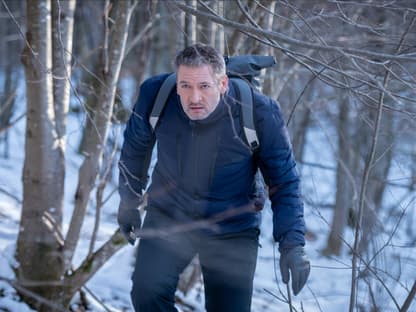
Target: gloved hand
[(294, 260), (129, 220)]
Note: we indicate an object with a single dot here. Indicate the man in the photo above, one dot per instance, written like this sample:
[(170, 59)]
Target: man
[(202, 192)]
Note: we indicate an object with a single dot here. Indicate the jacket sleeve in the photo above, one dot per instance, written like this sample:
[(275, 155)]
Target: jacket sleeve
[(138, 145), (278, 166)]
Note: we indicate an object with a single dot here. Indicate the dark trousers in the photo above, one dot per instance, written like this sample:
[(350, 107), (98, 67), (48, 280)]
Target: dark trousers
[(227, 261)]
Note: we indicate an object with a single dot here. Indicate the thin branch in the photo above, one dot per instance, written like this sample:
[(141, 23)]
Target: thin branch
[(8, 102), (12, 123), (136, 40), (289, 298), (11, 195), (331, 80), (299, 43), (99, 198), (96, 298), (320, 73), (34, 54), (92, 264), (367, 169), (409, 299)]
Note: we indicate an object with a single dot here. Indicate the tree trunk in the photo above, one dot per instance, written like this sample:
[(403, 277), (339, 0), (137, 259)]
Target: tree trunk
[(39, 233), (235, 41), (143, 50), (94, 81), (90, 107), (219, 30), (375, 189), (10, 73), (166, 46), (190, 25), (206, 27), (7, 101), (90, 167), (62, 35), (346, 194), (62, 30)]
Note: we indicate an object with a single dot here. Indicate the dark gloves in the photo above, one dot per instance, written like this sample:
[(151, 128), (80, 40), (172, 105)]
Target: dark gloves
[(295, 260), (129, 219)]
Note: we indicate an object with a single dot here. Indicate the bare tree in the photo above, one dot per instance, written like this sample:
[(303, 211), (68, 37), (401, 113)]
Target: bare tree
[(52, 276), (346, 189), (39, 233), (89, 169)]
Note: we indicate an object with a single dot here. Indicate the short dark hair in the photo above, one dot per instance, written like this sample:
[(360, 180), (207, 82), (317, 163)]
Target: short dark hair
[(199, 54)]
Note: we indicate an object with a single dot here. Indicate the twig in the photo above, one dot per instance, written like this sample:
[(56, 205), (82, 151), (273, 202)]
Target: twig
[(96, 298), (136, 40), (274, 295), (409, 299), (289, 297), (19, 28), (17, 199), (367, 169), (315, 298), (257, 33), (300, 43), (99, 198), (8, 102), (12, 123)]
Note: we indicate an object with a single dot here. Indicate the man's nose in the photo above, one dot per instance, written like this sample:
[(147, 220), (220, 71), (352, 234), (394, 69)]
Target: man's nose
[(195, 96)]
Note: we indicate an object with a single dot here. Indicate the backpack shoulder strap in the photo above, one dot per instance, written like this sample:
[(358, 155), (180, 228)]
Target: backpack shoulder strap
[(161, 99), (245, 99)]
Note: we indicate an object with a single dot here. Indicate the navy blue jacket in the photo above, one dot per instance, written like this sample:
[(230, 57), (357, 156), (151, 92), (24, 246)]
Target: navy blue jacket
[(205, 169)]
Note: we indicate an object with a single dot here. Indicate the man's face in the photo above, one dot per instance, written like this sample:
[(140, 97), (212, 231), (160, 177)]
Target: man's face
[(199, 90)]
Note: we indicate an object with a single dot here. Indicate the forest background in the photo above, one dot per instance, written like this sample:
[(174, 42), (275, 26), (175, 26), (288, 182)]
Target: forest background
[(345, 79)]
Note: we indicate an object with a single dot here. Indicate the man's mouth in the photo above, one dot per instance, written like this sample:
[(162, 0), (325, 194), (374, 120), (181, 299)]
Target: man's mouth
[(196, 108)]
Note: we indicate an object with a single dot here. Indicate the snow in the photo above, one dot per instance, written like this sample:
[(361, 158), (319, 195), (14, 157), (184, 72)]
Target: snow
[(328, 288)]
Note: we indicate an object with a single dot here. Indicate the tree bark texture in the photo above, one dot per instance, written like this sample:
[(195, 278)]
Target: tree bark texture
[(92, 162), (346, 189), (190, 25), (62, 30), (39, 236)]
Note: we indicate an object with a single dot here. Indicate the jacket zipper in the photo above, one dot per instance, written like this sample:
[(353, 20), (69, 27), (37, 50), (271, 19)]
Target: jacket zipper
[(195, 158), (178, 155), (214, 162)]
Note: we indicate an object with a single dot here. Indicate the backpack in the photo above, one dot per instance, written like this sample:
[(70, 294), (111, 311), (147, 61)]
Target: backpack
[(243, 72)]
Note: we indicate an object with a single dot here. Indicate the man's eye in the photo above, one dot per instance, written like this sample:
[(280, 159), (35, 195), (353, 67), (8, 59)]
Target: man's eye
[(205, 86), (185, 86)]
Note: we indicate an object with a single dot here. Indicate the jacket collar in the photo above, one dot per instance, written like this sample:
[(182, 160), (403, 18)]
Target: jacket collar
[(218, 113)]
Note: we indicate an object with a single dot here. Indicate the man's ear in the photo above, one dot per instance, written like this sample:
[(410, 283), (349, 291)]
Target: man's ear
[(223, 84)]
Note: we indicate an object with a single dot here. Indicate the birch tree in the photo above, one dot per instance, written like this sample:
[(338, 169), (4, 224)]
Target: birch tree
[(50, 282), (40, 235)]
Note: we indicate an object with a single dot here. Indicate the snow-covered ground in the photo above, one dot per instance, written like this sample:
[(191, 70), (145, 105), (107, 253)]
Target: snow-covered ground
[(328, 288)]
